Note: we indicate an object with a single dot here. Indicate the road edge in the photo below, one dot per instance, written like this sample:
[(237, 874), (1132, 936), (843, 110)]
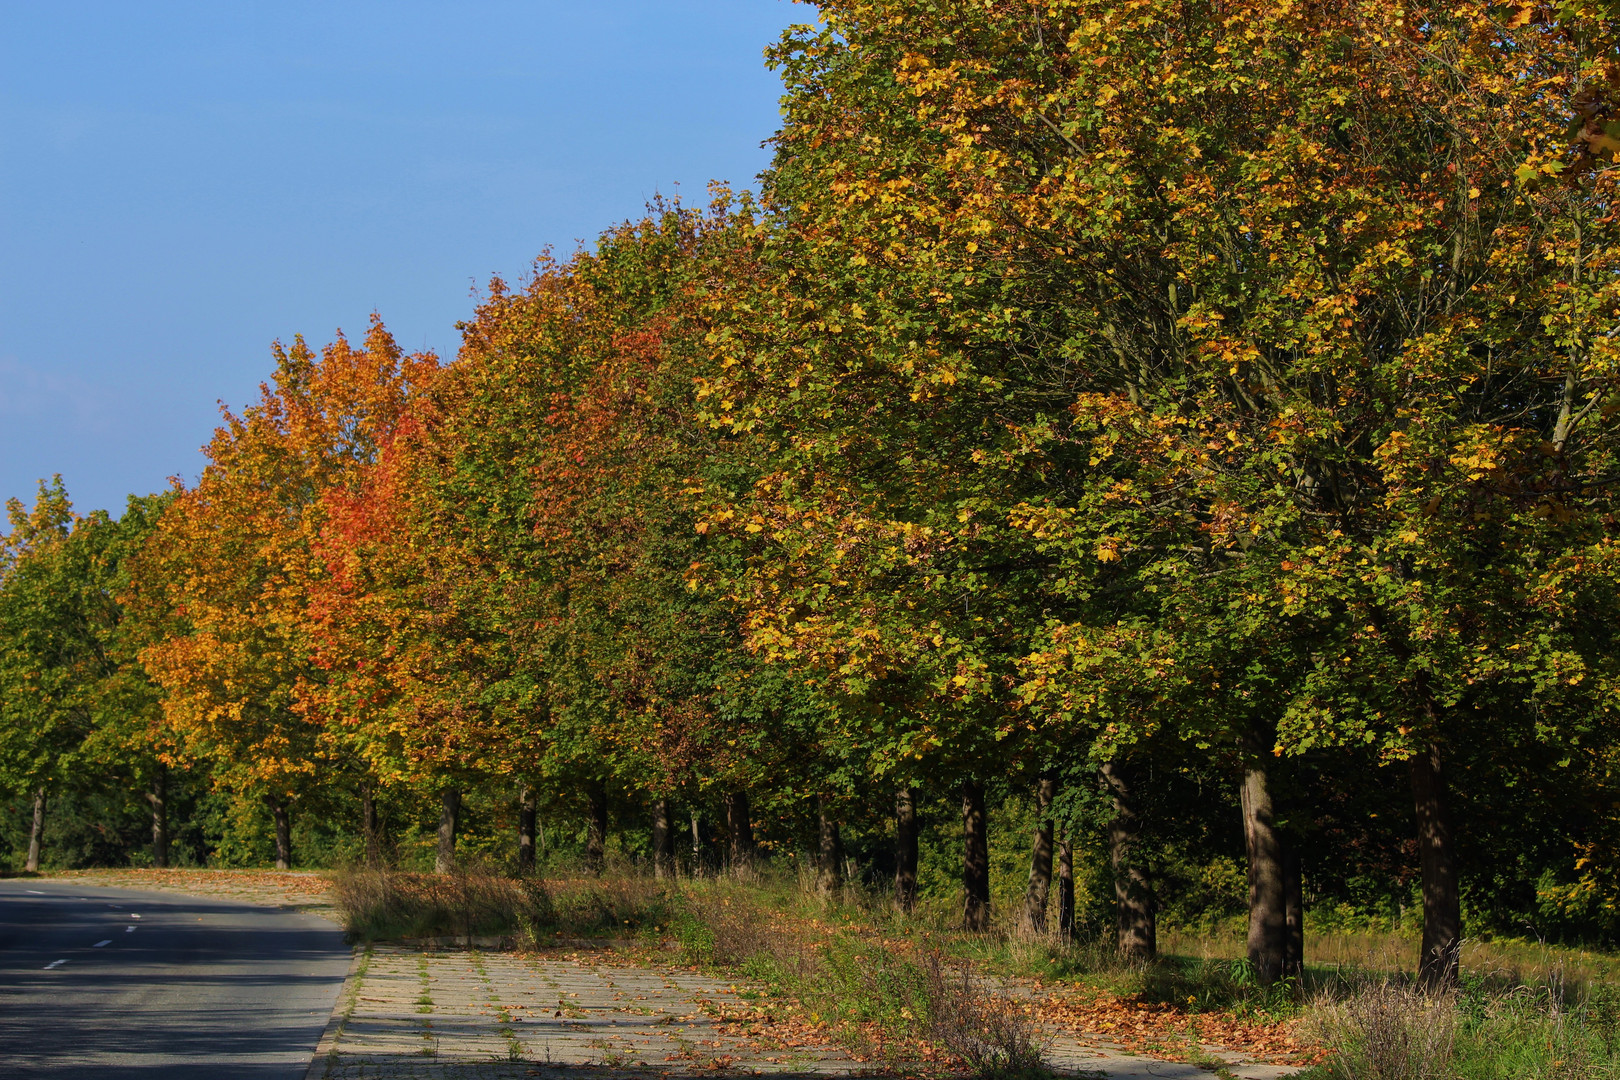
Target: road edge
[(326, 1048)]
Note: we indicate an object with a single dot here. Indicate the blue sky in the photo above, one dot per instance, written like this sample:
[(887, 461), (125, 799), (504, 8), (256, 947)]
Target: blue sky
[(182, 184)]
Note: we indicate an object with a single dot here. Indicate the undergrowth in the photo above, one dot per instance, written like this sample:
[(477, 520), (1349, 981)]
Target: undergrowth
[(383, 905), (883, 1000), (1387, 1030), (895, 989)]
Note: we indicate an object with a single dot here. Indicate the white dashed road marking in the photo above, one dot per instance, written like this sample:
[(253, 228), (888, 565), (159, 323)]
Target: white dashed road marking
[(129, 929), (99, 944), (54, 963), (36, 892)]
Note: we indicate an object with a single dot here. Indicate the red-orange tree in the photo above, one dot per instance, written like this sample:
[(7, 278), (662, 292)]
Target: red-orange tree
[(224, 582)]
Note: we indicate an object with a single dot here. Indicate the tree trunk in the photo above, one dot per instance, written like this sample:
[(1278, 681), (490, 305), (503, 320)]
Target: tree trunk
[(368, 825), (449, 818), (905, 849), (830, 852), (697, 844), (1268, 908), (1442, 909), (596, 831), (1040, 859), (526, 826), (1135, 921), (975, 860), (1066, 888), (36, 835), (740, 832), (282, 816), (663, 840), (158, 798), (1293, 909)]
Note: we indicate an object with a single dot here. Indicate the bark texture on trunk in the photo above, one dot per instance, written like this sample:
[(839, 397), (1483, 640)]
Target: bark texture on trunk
[(975, 860), (1293, 908), (596, 832), (1268, 908), (444, 861), (36, 834), (282, 816), (1066, 888), (368, 825), (1136, 923), (663, 840), (1442, 906), (1040, 859), (829, 851), (740, 832), (905, 849), (526, 827), (158, 799)]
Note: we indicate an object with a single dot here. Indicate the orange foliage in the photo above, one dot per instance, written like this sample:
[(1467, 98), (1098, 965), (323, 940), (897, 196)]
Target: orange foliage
[(230, 568)]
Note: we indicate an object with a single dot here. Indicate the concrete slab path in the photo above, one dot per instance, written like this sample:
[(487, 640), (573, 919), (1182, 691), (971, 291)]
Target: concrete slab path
[(429, 1014), (423, 1013)]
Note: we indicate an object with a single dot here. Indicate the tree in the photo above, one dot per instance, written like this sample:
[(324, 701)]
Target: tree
[(225, 581), (77, 707), (864, 367), (43, 723)]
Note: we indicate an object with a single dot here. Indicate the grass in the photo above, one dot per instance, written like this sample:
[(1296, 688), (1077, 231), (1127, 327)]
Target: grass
[(1525, 1009), (1514, 960), (1385, 1030), (901, 989), (885, 1000), (384, 905)]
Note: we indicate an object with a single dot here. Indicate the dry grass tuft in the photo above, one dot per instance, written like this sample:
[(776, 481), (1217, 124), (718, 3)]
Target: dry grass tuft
[(982, 1027), (1387, 1031)]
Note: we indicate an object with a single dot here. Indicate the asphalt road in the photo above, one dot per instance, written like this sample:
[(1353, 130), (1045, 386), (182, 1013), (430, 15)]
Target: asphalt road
[(114, 983)]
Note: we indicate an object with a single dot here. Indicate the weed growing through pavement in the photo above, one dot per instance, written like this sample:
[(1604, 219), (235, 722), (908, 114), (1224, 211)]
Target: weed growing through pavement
[(983, 1028)]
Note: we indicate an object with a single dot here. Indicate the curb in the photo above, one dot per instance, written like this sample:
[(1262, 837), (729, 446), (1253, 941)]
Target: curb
[(326, 1048)]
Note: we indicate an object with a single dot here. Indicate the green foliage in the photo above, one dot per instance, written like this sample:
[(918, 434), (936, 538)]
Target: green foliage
[(77, 710)]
